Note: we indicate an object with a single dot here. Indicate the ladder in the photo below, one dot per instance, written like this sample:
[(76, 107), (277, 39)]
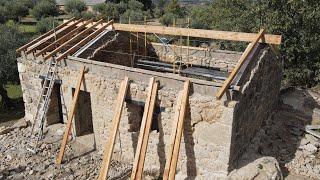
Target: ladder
[(44, 102)]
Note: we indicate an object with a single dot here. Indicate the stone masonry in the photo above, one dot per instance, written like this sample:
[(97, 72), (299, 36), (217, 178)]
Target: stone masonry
[(215, 131)]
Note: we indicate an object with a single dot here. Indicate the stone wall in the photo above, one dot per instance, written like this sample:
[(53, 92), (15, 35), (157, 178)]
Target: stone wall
[(224, 60), (202, 154), (215, 132), (256, 100)]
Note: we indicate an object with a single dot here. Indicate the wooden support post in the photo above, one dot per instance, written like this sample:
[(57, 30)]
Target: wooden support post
[(144, 132), (24, 47), (64, 38), (173, 155), (83, 41), (130, 45), (174, 49), (188, 43), (145, 38), (77, 37), (113, 130), (70, 117), (137, 44), (244, 56)]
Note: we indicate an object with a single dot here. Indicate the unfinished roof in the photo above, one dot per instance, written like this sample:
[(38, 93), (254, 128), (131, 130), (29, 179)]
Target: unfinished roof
[(129, 45)]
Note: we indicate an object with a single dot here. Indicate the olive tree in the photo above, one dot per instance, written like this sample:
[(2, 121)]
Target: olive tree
[(10, 40)]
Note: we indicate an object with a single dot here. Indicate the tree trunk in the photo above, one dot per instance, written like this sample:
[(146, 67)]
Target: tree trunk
[(6, 101)]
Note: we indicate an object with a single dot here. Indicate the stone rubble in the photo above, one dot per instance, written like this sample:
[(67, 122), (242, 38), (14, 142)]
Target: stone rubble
[(18, 163), (281, 149), (284, 138)]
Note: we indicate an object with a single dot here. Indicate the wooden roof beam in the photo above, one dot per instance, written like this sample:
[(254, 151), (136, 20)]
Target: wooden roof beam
[(24, 47), (48, 38), (75, 38), (200, 33), (63, 38), (244, 56), (84, 41)]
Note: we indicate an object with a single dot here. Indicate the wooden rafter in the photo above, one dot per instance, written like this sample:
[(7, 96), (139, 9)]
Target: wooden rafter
[(75, 38), (63, 38), (84, 41), (201, 33), (70, 117), (51, 37), (243, 57), (107, 155), (144, 132), (24, 47), (173, 155)]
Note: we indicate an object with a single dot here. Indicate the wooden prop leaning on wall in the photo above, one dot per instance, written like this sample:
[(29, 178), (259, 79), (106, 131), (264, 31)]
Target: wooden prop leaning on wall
[(144, 132), (177, 129), (70, 117), (244, 56), (107, 155)]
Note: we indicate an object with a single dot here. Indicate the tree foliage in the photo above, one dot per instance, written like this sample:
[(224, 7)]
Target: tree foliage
[(10, 40), (45, 8), (297, 22), (75, 6), (46, 24), (107, 10)]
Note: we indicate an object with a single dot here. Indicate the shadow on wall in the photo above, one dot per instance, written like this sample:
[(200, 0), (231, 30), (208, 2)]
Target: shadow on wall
[(281, 135)]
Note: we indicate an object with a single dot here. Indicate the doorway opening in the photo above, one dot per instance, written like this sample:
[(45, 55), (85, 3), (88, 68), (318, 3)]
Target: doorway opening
[(54, 115), (83, 115)]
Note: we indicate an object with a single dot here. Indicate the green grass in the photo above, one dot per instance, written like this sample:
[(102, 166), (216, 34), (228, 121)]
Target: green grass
[(15, 93), (26, 28)]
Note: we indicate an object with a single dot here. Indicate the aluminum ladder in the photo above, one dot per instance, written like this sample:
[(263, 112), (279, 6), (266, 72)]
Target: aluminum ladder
[(44, 102)]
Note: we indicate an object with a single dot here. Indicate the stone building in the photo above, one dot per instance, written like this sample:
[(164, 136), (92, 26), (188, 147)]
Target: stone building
[(216, 131)]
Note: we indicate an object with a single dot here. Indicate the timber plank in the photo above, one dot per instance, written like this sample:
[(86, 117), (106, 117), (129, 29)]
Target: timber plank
[(70, 117), (63, 38), (201, 33), (173, 154), (75, 38), (243, 57), (147, 132), (114, 129), (142, 130), (24, 47), (48, 38), (83, 41), (176, 149)]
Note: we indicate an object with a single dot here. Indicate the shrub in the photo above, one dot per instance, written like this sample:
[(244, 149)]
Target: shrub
[(3, 15), (44, 8), (107, 10), (75, 6), (46, 24), (16, 9), (122, 7), (10, 39), (135, 5), (87, 15), (167, 19), (133, 15)]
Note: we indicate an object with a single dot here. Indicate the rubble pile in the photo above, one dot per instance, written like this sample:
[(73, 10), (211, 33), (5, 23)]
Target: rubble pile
[(284, 137), (80, 162)]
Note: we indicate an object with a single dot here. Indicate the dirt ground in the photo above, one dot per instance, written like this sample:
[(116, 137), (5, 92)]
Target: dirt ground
[(282, 137)]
